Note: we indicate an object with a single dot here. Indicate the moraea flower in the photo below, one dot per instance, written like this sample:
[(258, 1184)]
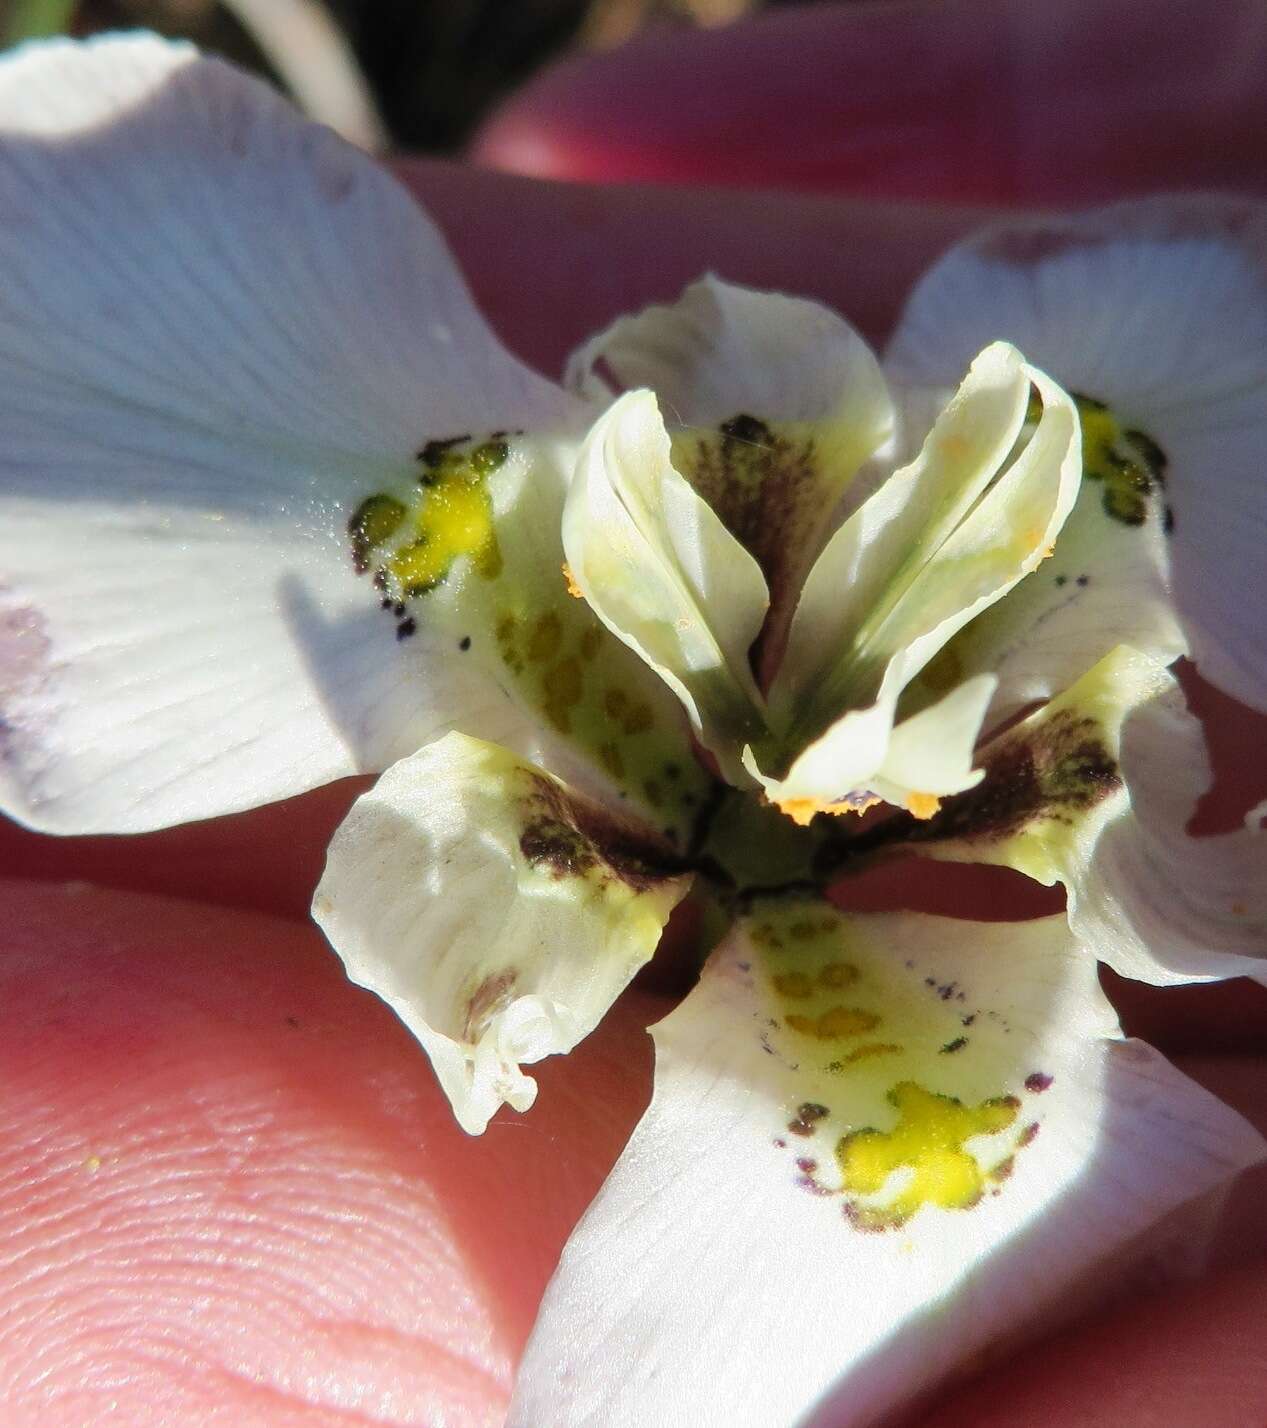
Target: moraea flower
[(733, 611)]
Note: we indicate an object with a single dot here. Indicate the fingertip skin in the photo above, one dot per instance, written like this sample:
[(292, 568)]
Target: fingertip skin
[(551, 263), (230, 1190), (268, 858), (1194, 1358), (986, 101)]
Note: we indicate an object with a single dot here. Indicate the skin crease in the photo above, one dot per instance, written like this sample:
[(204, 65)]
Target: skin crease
[(230, 1192)]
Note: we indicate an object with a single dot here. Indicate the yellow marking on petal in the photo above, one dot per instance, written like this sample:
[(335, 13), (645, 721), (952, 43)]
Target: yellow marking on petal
[(546, 637), (902, 1114), (448, 514), (928, 1141), (1130, 464), (867, 1052), (639, 718), (923, 805), (793, 984), (611, 759), (434, 545), (563, 684), (574, 590), (838, 974), (835, 1023), (374, 521)]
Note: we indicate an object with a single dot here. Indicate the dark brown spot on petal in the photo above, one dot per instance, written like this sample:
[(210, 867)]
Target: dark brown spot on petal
[(808, 1114), (773, 492), (1056, 770), (433, 452), (488, 997), (572, 837)]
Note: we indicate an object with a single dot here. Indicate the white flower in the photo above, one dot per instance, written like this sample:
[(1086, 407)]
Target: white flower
[(277, 507)]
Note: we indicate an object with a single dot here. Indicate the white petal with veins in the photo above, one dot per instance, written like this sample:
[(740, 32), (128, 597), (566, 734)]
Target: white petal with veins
[(220, 328), (905, 1194), (1158, 308)]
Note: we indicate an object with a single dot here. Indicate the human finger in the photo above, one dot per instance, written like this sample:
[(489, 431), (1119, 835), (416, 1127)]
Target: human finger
[(989, 101), (231, 1191), (1190, 1355)]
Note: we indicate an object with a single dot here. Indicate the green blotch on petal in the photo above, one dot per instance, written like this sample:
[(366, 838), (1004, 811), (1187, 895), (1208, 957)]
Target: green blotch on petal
[(415, 543), (469, 538), (374, 521), (929, 1141), (892, 1063), (1048, 780), (1129, 464)]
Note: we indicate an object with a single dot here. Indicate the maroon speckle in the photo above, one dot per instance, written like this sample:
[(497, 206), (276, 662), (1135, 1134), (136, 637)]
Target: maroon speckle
[(815, 1187), (869, 1221), (1037, 1081), (1028, 1134), (807, 1116), (780, 1143), (1003, 1170), (805, 1165)]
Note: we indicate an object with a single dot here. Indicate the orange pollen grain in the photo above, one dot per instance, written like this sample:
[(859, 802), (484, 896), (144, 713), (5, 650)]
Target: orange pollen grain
[(923, 805), (802, 810)]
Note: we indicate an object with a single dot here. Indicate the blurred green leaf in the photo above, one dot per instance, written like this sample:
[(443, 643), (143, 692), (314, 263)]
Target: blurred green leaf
[(32, 19)]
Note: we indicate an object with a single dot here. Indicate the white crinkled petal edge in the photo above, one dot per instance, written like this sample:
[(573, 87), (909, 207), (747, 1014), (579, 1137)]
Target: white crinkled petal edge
[(496, 911)]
